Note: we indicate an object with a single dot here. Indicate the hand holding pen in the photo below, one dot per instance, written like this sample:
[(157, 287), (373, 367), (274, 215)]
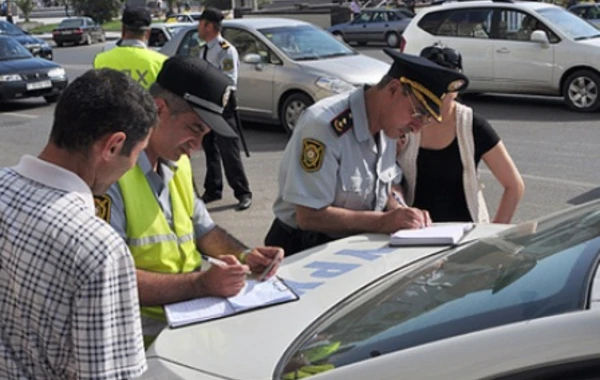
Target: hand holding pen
[(225, 278)]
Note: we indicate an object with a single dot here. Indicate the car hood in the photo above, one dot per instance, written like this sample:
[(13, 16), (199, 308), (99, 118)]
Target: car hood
[(256, 341), (595, 42), (19, 65), (355, 69), (29, 40)]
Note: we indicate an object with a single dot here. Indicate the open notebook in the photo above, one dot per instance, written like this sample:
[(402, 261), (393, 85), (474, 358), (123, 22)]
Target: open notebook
[(434, 235), (254, 295)]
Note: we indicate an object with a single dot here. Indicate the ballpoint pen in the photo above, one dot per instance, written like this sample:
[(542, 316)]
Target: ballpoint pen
[(399, 199), (217, 262)]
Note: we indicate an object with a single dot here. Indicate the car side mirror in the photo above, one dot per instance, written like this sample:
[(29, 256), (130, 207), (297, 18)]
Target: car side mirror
[(540, 37), (252, 58)]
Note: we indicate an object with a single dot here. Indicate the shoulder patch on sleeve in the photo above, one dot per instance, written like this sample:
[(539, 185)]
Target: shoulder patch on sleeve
[(103, 204), (313, 152), (227, 64), (342, 123), (224, 45)]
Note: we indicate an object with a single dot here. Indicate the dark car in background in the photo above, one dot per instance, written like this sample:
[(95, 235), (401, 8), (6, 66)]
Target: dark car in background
[(587, 11), (78, 30), (374, 25), (24, 76), (36, 46)]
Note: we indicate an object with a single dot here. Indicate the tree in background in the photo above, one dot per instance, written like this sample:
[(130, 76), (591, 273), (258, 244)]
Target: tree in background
[(26, 7), (100, 10)]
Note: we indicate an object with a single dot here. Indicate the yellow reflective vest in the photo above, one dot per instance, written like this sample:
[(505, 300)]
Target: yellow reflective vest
[(154, 245), (142, 64)]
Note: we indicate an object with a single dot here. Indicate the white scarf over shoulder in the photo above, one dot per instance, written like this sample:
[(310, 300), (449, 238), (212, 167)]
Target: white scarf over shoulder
[(472, 185)]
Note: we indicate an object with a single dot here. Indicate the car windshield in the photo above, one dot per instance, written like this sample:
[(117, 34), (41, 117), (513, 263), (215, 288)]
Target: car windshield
[(305, 42), (8, 29), (11, 49), (531, 271), (71, 23), (568, 23)]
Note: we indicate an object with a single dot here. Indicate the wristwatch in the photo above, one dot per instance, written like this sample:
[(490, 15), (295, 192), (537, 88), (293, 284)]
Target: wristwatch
[(243, 254)]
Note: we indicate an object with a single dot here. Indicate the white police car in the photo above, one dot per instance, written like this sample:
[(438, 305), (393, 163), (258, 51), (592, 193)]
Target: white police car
[(515, 303)]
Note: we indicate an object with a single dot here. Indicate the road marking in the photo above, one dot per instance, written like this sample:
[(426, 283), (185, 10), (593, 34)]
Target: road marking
[(555, 180), (25, 115)]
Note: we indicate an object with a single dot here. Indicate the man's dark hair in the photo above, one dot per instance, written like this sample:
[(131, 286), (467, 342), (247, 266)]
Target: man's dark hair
[(98, 103)]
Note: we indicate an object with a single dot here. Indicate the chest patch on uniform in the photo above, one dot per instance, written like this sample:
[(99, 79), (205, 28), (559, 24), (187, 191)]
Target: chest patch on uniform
[(313, 152), (227, 64), (342, 123), (224, 45), (103, 203)]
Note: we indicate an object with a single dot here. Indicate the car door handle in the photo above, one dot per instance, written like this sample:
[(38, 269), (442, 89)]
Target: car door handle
[(503, 51)]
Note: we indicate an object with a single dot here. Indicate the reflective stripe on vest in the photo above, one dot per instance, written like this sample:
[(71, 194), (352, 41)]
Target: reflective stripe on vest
[(143, 65), (154, 245)]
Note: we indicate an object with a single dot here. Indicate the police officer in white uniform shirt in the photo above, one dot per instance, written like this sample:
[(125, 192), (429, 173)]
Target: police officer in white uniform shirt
[(223, 56), (338, 167)]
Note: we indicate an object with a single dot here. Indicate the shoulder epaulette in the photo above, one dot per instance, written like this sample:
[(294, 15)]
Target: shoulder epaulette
[(342, 122), (224, 45)]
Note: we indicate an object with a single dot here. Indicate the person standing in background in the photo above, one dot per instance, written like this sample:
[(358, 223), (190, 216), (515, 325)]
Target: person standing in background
[(221, 54)]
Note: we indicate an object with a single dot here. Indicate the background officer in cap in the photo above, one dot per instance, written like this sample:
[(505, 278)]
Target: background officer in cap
[(223, 56), (132, 55), (337, 169), (155, 209)]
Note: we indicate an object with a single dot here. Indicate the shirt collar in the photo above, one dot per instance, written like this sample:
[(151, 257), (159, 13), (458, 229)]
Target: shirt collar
[(132, 43), (359, 115), (144, 163), (212, 43), (56, 177)]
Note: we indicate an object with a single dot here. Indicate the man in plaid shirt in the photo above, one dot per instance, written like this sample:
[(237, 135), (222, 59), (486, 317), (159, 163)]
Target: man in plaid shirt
[(68, 295)]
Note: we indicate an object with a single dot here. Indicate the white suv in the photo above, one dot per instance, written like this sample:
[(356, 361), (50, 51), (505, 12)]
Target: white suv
[(521, 47)]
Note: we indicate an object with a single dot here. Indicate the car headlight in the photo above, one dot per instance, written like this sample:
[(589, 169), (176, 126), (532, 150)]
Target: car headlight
[(334, 85), (10, 77), (56, 73)]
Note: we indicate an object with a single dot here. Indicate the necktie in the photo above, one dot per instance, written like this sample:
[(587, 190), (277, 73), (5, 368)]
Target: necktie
[(205, 51)]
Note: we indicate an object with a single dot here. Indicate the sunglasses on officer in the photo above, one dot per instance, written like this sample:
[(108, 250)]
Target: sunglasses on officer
[(419, 114), (443, 56)]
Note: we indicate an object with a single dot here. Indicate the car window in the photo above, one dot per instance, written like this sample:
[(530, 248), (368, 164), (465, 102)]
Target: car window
[(11, 49), (532, 271), (157, 38), (363, 18), (71, 23), (579, 11), (306, 42), (593, 13), (569, 24), (473, 23), (190, 44), (246, 43), (516, 25), (6, 28), (379, 17)]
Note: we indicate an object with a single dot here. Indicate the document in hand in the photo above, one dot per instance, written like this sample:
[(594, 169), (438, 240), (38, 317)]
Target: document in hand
[(256, 294), (433, 235)]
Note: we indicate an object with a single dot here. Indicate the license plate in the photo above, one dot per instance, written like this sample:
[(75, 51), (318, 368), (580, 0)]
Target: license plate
[(67, 32), (39, 85)]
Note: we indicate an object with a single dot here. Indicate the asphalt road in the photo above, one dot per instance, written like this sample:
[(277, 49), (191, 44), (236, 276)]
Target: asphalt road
[(555, 149)]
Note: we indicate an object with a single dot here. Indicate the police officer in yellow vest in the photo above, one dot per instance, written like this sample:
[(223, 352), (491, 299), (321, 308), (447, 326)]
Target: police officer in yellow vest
[(132, 55), (155, 208)]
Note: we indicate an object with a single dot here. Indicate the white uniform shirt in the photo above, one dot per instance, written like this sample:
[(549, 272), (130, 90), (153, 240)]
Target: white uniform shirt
[(223, 56), (68, 291), (348, 169)]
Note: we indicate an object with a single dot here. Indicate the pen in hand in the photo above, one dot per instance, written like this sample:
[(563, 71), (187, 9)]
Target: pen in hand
[(217, 262)]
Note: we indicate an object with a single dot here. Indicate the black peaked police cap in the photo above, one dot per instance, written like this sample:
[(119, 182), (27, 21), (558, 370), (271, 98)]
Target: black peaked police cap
[(203, 86), (136, 18), (212, 14), (427, 80)]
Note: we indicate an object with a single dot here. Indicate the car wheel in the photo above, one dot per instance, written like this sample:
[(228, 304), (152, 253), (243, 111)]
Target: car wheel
[(392, 39), (102, 37), (88, 39), (582, 91), (51, 98), (292, 108)]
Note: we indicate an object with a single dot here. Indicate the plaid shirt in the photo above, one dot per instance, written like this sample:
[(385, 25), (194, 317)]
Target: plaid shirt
[(68, 295)]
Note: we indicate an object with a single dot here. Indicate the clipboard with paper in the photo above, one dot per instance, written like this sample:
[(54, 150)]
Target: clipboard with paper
[(255, 295)]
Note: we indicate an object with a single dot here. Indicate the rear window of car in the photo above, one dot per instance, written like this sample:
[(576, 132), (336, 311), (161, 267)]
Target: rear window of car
[(533, 271), (72, 23), (473, 22)]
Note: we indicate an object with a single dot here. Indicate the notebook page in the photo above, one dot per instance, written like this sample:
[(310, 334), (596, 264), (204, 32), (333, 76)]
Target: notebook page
[(259, 293), (433, 234), (198, 309)]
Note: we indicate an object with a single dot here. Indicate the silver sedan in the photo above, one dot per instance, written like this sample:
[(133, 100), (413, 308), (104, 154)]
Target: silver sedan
[(285, 66)]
